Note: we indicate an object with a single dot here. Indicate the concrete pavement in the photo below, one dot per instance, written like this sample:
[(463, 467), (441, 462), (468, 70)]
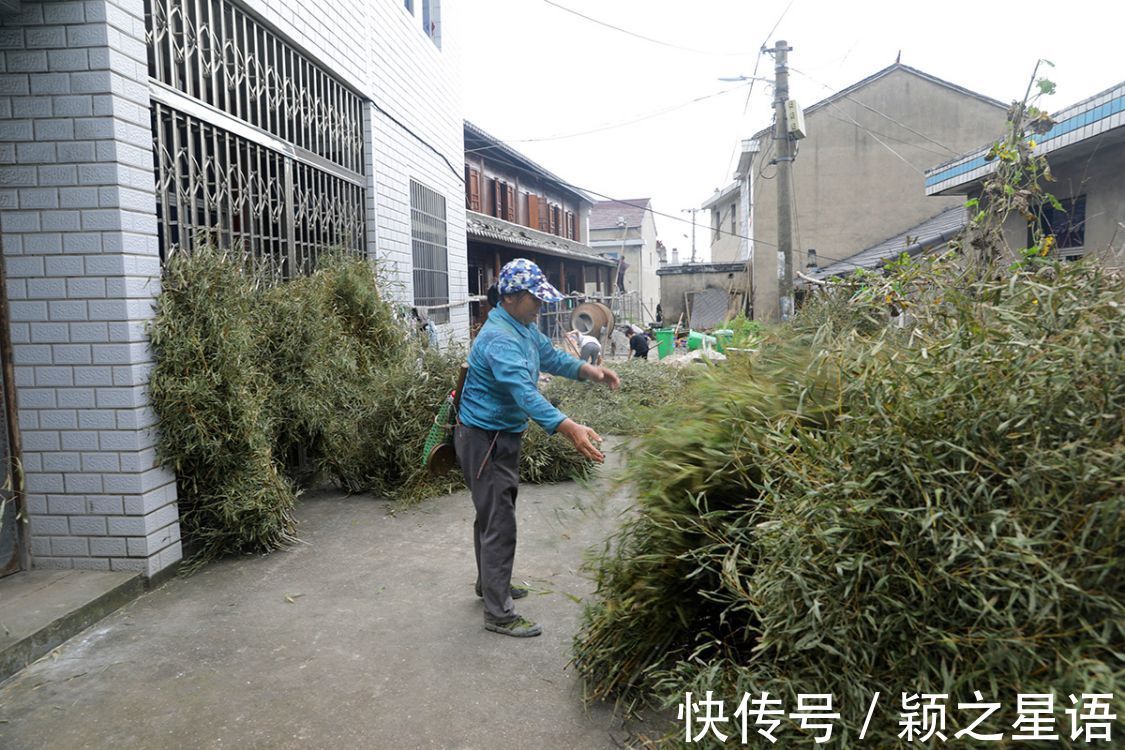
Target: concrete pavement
[(367, 635)]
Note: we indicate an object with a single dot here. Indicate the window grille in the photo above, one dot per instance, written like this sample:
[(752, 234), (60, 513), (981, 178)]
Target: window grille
[(1066, 224), (431, 251), (255, 146), (214, 186), (213, 51)]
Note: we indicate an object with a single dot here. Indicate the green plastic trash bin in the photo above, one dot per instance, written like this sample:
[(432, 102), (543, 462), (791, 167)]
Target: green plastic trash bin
[(665, 341), (696, 339), (724, 337)]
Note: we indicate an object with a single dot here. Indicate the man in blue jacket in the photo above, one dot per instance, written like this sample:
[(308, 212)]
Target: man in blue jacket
[(501, 392)]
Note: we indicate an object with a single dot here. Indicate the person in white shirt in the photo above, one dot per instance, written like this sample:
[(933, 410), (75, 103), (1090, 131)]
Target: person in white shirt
[(589, 348)]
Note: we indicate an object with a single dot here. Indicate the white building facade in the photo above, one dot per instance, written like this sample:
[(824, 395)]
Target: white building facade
[(132, 129)]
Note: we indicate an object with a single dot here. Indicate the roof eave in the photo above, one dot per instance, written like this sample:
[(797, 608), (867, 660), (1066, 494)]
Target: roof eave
[(524, 163), (847, 91), (722, 195), (536, 241)]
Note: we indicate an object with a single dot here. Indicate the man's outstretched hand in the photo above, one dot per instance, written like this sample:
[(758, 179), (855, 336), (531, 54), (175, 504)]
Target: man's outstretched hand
[(599, 374), (583, 438)]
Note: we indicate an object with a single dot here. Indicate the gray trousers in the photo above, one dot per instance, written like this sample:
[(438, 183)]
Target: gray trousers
[(590, 353), (491, 464)]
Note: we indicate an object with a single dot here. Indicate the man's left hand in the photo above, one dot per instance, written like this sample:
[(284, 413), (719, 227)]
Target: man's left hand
[(603, 375)]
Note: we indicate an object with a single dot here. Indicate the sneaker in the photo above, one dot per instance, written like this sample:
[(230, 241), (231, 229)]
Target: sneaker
[(518, 592), (521, 627)]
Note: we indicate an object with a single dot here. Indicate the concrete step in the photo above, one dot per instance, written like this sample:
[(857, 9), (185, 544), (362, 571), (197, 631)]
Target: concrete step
[(41, 609)]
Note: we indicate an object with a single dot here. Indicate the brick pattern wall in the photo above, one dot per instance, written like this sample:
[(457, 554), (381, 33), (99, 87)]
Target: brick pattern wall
[(79, 240), (78, 232)]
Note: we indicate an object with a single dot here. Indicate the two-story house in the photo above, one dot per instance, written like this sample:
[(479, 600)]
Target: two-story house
[(515, 208), (857, 177), (626, 231)]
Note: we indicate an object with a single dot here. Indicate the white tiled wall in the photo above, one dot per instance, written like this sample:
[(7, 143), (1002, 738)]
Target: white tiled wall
[(380, 48), (79, 239)]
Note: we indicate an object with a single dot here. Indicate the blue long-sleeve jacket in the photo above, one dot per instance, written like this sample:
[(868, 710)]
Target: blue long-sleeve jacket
[(502, 387)]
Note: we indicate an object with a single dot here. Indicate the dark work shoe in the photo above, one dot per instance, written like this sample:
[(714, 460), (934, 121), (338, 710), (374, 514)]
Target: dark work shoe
[(518, 592), (521, 627)]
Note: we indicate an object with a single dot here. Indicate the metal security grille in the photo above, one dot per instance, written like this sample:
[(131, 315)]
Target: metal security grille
[(327, 213), (431, 252), (213, 51), (255, 146), (218, 188)]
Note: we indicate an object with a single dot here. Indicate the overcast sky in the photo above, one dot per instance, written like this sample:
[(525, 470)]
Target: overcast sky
[(532, 72)]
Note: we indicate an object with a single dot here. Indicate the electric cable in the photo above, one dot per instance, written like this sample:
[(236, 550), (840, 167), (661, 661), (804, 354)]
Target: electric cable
[(754, 75), (642, 36), (654, 212), (868, 107), (920, 146), (460, 177), (611, 126)]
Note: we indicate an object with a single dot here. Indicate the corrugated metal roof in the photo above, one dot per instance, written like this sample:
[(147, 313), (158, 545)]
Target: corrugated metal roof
[(604, 215), (491, 229), (931, 233)]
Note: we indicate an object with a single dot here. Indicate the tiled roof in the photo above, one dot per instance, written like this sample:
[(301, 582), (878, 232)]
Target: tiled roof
[(1088, 118), (605, 213), (930, 234), (491, 229), (479, 142)]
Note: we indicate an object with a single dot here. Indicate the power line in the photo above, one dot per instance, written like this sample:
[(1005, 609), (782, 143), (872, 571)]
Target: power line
[(460, 177), (654, 212), (600, 128), (754, 75), (643, 207), (642, 36), (886, 135), (871, 133), (884, 145), (796, 212), (763, 163), (868, 107)]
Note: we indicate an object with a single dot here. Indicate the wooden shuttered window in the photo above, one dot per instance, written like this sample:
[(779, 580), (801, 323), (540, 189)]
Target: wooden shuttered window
[(533, 211), (495, 190), (544, 216), (472, 189), (509, 203), (569, 225)]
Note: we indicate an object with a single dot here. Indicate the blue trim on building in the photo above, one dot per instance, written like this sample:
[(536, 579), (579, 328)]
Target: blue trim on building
[(1069, 125)]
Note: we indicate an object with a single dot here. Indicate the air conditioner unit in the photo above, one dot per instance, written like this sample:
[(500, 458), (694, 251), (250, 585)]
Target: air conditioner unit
[(795, 116)]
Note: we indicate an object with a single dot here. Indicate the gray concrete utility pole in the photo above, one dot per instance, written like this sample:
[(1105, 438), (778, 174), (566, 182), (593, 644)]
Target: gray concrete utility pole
[(692, 211), (784, 160)]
